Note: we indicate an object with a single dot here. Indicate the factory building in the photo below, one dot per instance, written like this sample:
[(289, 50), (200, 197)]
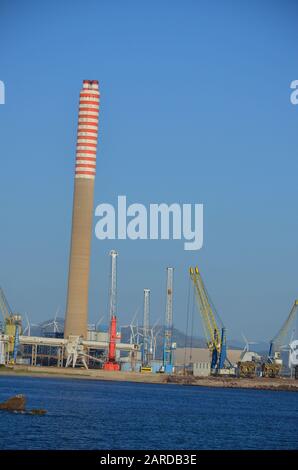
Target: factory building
[(197, 360)]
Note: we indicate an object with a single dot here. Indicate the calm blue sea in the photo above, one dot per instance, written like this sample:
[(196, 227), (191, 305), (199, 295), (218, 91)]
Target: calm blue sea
[(85, 414)]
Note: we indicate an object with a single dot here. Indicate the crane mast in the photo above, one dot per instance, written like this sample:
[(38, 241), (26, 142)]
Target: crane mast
[(168, 347), (146, 333), (111, 363), (215, 336), (113, 285), (211, 329)]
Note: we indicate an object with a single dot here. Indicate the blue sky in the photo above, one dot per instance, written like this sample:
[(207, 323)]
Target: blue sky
[(195, 107)]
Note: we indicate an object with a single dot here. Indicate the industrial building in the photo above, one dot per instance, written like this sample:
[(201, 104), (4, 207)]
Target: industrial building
[(195, 355), (197, 360)]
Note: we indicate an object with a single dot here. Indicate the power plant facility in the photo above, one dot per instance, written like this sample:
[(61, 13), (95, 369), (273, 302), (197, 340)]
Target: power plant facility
[(142, 346)]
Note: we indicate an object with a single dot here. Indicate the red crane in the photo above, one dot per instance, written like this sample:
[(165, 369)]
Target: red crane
[(111, 363)]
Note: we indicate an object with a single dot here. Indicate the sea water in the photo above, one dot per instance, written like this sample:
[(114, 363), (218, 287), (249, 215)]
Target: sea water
[(91, 414)]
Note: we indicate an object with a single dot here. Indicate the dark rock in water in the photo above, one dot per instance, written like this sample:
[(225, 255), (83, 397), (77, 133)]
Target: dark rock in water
[(37, 412), (17, 403)]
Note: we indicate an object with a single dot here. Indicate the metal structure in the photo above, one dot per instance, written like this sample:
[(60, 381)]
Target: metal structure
[(249, 360), (146, 350), (273, 364), (75, 352), (12, 328), (113, 285), (73, 347), (167, 366), (279, 339), (78, 279), (16, 343), (215, 334), (111, 363), (2, 350), (293, 355)]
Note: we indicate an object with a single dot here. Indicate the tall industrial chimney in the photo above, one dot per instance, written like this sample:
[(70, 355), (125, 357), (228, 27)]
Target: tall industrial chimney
[(78, 278)]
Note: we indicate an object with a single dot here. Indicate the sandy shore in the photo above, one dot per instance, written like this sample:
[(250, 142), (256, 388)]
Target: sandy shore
[(93, 374), (276, 384)]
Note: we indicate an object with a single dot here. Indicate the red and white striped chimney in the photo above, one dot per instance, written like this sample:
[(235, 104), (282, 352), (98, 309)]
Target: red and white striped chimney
[(76, 318), (87, 130)]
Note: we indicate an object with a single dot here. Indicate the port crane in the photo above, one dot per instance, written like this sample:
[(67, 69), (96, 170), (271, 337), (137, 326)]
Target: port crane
[(111, 363), (147, 343), (168, 345), (273, 364), (215, 334), (12, 327)]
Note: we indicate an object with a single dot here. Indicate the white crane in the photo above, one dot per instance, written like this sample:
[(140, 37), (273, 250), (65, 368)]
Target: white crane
[(146, 330), (168, 346), (113, 285)]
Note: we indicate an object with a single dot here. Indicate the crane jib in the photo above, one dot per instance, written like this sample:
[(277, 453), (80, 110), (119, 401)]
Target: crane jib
[(211, 329), (215, 336)]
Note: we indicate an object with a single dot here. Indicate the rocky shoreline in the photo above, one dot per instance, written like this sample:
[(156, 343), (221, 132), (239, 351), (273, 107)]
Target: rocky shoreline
[(276, 384)]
